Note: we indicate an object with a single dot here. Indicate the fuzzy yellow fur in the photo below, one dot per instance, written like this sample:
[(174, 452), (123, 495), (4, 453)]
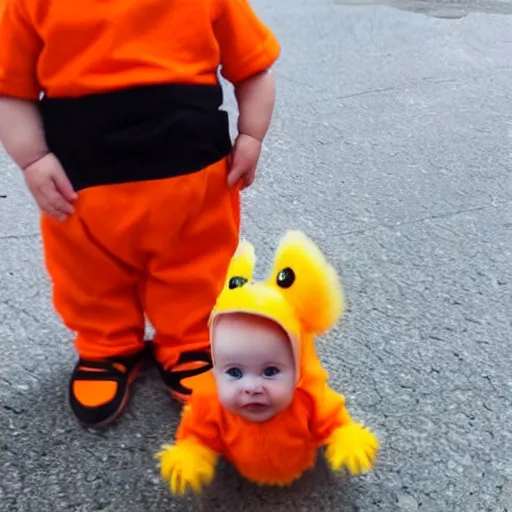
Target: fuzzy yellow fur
[(243, 261), (187, 465), (315, 301), (317, 295), (352, 446)]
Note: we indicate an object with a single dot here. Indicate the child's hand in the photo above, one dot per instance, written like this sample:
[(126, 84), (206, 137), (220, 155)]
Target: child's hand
[(244, 160), (187, 465), (50, 187), (352, 446)]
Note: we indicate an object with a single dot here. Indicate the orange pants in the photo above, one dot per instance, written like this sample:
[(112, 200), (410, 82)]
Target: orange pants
[(159, 248)]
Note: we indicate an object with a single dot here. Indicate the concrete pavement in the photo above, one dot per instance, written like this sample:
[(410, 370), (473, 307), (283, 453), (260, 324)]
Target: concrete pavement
[(391, 146)]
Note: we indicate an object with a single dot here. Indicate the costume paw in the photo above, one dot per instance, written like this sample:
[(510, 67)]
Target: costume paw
[(353, 446), (187, 465)]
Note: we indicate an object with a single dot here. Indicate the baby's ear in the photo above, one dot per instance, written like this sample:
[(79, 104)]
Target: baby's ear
[(310, 283), (241, 267)]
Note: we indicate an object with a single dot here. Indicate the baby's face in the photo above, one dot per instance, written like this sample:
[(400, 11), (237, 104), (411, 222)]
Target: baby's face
[(254, 366)]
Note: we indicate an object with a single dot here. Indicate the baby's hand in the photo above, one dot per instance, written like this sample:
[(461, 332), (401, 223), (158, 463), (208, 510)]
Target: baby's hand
[(187, 465), (353, 446), (244, 161), (50, 187)]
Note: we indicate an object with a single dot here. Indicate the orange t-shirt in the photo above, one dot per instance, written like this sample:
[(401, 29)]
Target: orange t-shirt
[(70, 48), (274, 452)]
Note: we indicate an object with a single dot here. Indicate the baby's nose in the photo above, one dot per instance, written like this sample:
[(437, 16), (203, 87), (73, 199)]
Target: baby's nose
[(252, 387)]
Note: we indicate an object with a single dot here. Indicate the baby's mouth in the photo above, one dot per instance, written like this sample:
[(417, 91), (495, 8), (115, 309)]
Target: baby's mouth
[(255, 407)]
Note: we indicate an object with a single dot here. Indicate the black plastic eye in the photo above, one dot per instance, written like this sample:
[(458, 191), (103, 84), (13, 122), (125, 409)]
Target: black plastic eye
[(285, 278), (237, 282)]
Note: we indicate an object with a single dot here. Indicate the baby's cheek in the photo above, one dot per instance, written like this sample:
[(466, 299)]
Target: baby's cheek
[(227, 394), (283, 394)]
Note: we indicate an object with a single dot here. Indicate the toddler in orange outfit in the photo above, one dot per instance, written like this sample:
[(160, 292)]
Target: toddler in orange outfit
[(112, 111), (268, 407)]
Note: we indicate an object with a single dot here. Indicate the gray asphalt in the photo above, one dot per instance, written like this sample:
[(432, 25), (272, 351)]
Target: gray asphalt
[(391, 146)]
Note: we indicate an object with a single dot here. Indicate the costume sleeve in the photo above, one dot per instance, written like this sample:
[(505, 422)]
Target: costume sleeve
[(247, 45), (328, 412), (19, 51), (200, 423)]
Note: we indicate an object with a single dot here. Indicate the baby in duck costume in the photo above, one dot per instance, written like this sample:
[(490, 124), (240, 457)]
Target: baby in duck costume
[(267, 407)]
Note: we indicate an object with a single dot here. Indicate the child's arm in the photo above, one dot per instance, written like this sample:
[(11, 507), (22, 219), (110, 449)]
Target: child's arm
[(21, 131), (255, 96), (21, 128), (190, 462), (22, 135), (248, 49), (349, 444)]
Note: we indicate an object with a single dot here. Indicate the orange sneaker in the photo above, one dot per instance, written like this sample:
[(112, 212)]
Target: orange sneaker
[(99, 390), (185, 375)]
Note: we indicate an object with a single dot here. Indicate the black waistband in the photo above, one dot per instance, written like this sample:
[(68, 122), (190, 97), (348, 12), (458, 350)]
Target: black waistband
[(136, 134)]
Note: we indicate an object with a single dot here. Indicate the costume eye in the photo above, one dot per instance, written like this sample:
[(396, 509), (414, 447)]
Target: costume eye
[(237, 282), (236, 373), (285, 278), (270, 371)]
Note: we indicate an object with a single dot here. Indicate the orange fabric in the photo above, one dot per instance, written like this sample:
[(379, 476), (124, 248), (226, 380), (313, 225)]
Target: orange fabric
[(273, 452), (76, 47), (158, 247)]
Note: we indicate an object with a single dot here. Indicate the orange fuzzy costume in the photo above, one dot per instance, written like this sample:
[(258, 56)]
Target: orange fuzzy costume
[(303, 295), (130, 102)]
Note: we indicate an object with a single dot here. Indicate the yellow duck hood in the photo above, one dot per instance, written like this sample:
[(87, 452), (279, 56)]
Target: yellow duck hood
[(302, 293)]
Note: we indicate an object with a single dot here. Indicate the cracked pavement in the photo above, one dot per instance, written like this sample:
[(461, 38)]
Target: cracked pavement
[(391, 146)]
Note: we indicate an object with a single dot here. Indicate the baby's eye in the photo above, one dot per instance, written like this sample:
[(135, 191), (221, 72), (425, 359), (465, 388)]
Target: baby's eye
[(270, 371), (236, 373)]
